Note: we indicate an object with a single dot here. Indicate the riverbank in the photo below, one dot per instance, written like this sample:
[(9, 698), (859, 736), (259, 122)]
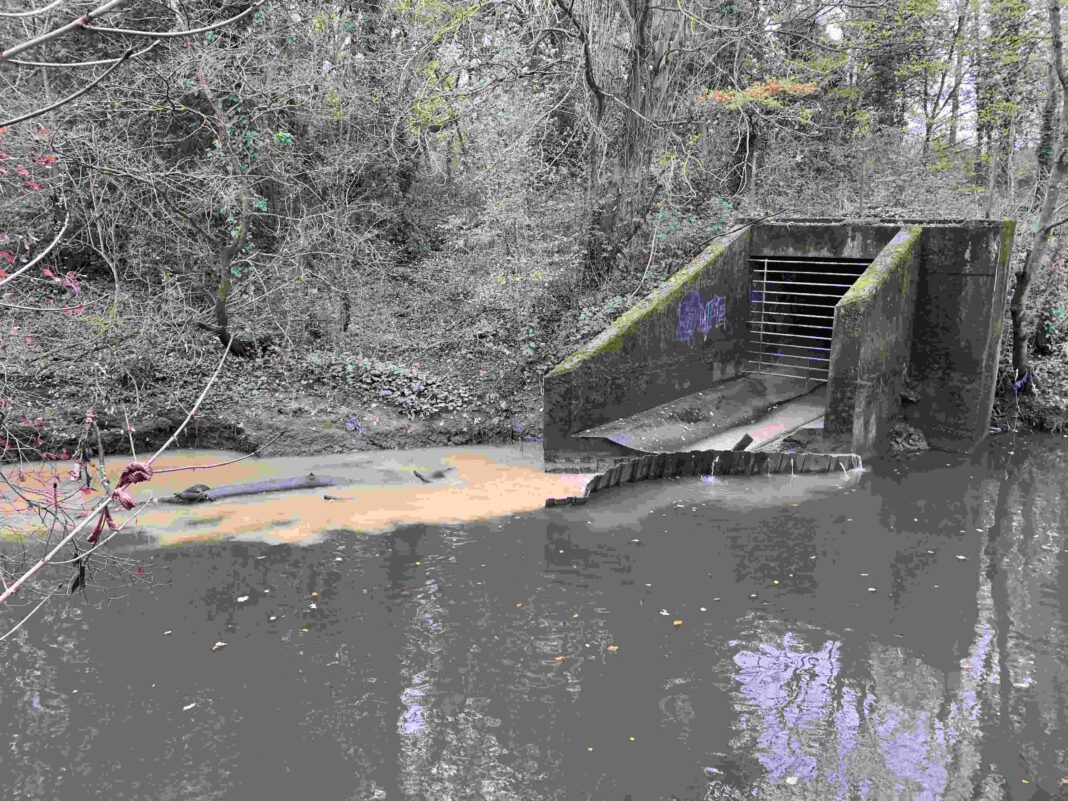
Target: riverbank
[(328, 401), (271, 408)]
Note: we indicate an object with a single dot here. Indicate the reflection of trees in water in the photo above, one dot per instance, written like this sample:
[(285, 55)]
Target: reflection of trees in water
[(451, 744), (892, 726)]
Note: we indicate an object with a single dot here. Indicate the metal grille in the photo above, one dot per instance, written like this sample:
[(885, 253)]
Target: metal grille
[(791, 317)]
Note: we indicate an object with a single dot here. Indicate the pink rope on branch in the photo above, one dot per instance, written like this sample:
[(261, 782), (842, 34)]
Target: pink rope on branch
[(133, 473)]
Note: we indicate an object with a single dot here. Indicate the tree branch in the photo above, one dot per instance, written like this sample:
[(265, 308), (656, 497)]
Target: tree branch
[(33, 12), (76, 64), (73, 96), (177, 34), (99, 508), (81, 22)]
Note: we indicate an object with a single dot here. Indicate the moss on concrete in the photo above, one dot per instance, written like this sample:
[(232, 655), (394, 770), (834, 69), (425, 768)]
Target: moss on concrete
[(612, 338), (884, 266), (1008, 234)]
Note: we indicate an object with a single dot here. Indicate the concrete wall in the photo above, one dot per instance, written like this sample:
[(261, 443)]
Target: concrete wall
[(959, 311), (873, 331), (818, 238), (680, 339)]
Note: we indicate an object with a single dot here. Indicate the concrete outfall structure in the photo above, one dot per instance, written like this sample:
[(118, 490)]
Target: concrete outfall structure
[(927, 308)]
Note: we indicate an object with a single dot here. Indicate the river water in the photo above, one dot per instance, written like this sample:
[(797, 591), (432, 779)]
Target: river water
[(896, 634)]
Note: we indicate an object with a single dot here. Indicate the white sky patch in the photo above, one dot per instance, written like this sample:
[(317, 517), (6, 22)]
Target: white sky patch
[(834, 32)]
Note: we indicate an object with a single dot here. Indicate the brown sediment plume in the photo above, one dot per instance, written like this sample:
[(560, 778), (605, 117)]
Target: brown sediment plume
[(480, 488)]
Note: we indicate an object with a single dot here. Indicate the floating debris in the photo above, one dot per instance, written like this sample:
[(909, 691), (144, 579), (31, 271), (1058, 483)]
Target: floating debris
[(187, 707), (219, 646)]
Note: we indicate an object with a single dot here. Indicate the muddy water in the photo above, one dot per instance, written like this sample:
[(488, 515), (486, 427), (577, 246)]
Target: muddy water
[(383, 491), (901, 634)]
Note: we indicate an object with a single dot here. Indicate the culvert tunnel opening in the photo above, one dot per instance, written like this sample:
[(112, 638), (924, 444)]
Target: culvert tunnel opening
[(791, 313)]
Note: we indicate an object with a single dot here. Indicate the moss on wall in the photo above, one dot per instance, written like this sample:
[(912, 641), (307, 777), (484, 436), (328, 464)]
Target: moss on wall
[(882, 269), (1008, 234), (672, 290)]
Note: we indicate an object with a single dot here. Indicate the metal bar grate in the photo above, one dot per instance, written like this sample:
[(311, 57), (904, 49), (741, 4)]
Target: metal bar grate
[(791, 324)]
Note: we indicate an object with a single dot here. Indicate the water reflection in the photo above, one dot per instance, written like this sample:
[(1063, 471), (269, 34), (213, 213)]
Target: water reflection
[(886, 723), (903, 637)]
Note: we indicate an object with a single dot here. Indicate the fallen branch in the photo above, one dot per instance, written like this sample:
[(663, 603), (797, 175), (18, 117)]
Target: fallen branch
[(199, 492)]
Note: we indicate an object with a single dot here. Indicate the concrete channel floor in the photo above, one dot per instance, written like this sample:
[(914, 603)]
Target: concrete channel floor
[(765, 407)]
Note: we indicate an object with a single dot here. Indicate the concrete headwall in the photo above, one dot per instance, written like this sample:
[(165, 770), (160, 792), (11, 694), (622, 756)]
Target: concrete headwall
[(816, 239), (683, 337), (873, 330), (959, 309)]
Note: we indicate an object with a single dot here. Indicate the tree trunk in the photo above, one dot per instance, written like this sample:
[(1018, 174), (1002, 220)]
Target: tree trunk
[(1045, 223), (958, 75), (1048, 125)]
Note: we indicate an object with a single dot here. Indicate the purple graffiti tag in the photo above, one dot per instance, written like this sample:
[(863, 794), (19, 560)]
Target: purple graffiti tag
[(705, 323), (717, 310), (690, 312)]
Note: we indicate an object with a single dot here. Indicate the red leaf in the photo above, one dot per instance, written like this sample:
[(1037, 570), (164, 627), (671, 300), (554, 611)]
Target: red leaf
[(22, 171), (33, 185)]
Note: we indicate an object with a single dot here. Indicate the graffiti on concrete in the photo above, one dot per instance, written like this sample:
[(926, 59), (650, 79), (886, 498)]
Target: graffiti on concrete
[(696, 315)]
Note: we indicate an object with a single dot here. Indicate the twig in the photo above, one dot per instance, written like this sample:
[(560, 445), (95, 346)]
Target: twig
[(129, 432), (100, 62), (221, 464), (33, 12), (196, 405), (73, 96), (649, 263), (39, 256), (33, 611), (47, 558), (110, 536), (176, 34)]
